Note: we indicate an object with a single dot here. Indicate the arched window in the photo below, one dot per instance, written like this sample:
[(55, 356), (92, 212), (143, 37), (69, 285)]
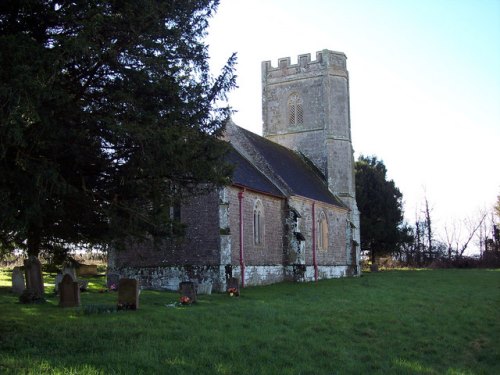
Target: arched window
[(295, 110), (323, 232), (258, 223)]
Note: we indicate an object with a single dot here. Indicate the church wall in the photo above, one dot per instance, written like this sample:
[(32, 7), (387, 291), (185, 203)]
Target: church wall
[(270, 252), (336, 253), (263, 263), (194, 257)]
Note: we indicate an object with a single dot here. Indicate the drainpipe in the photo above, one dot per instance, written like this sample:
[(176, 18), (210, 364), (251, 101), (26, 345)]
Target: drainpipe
[(242, 253), (314, 241)]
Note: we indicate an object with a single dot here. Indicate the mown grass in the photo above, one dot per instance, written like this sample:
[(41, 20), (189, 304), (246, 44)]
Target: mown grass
[(397, 322)]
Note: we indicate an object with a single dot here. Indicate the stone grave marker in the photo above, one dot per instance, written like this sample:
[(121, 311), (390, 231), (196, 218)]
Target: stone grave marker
[(17, 281), (34, 277), (204, 288), (112, 280), (69, 292), (233, 287), (128, 294), (58, 279), (187, 289), (70, 271)]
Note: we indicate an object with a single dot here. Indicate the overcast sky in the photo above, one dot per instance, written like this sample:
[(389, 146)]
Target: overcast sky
[(424, 85)]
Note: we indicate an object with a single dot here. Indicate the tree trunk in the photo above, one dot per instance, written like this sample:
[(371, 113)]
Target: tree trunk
[(34, 241), (373, 266)]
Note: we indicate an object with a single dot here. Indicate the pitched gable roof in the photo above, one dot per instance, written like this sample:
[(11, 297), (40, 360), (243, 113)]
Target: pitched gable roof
[(245, 174), (287, 170)]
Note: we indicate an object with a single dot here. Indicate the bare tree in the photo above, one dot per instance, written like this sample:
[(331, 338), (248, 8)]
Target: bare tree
[(428, 228), (460, 234)]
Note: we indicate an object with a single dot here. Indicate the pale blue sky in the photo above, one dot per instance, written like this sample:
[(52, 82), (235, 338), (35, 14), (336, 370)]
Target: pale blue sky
[(424, 83)]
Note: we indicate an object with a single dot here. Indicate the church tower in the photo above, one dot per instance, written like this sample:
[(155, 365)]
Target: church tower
[(305, 107)]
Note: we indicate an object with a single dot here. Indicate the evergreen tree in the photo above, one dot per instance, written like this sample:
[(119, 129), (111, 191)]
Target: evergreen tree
[(108, 115), (381, 207)]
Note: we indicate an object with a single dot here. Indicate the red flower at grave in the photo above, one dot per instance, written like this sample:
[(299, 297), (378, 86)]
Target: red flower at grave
[(233, 292), (185, 300)]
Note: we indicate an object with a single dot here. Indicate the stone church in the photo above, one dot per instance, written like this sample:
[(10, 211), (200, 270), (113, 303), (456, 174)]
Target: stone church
[(290, 212)]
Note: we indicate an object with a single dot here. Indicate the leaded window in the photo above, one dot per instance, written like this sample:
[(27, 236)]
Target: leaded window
[(295, 110)]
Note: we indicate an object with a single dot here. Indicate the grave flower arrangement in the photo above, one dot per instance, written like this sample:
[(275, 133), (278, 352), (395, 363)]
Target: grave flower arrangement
[(233, 292), (185, 300)]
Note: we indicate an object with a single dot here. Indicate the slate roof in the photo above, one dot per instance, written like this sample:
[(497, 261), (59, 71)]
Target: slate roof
[(245, 174), (298, 176)]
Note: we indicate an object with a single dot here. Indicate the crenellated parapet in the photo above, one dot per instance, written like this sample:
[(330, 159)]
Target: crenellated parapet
[(326, 60)]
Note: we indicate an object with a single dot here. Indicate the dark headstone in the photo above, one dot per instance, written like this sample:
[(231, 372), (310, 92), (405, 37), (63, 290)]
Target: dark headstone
[(374, 267), (70, 270), (17, 281), (188, 289), (128, 294), (233, 287), (34, 277), (69, 292), (112, 280)]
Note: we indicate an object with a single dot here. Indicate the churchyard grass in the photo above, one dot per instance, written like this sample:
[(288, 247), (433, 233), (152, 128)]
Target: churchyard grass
[(394, 322)]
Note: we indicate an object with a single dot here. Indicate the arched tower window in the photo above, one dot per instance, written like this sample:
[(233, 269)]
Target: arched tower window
[(258, 223), (295, 110), (323, 232)]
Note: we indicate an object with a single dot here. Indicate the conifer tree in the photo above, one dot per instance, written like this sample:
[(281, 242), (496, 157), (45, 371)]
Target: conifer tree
[(381, 207), (108, 113)]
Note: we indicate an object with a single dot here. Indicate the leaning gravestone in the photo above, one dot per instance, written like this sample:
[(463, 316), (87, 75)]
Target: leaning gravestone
[(112, 280), (188, 289), (128, 294), (34, 277), (17, 281), (69, 292)]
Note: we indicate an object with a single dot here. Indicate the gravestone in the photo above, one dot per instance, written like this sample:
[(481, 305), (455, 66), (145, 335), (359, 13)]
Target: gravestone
[(58, 279), (233, 287), (128, 294), (17, 281), (188, 289), (69, 292), (69, 270), (34, 277), (204, 288), (112, 280)]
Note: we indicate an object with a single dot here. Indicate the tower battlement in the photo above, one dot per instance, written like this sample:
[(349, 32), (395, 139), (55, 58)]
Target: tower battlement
[(325, 59)]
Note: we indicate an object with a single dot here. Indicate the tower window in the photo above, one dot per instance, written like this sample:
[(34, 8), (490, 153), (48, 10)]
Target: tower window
[(295, 110)]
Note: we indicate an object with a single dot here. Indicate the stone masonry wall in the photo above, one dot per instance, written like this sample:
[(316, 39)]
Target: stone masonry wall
[(336, 254), (270, 252), (199, 247)]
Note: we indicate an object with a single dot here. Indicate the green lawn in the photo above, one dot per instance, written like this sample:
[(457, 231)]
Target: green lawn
[(395, 322)]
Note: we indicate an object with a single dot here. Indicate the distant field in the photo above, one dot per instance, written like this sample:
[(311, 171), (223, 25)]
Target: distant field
[(394, 322)]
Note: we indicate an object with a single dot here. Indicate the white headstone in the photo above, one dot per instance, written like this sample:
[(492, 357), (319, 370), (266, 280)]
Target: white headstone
[(17, 281)]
